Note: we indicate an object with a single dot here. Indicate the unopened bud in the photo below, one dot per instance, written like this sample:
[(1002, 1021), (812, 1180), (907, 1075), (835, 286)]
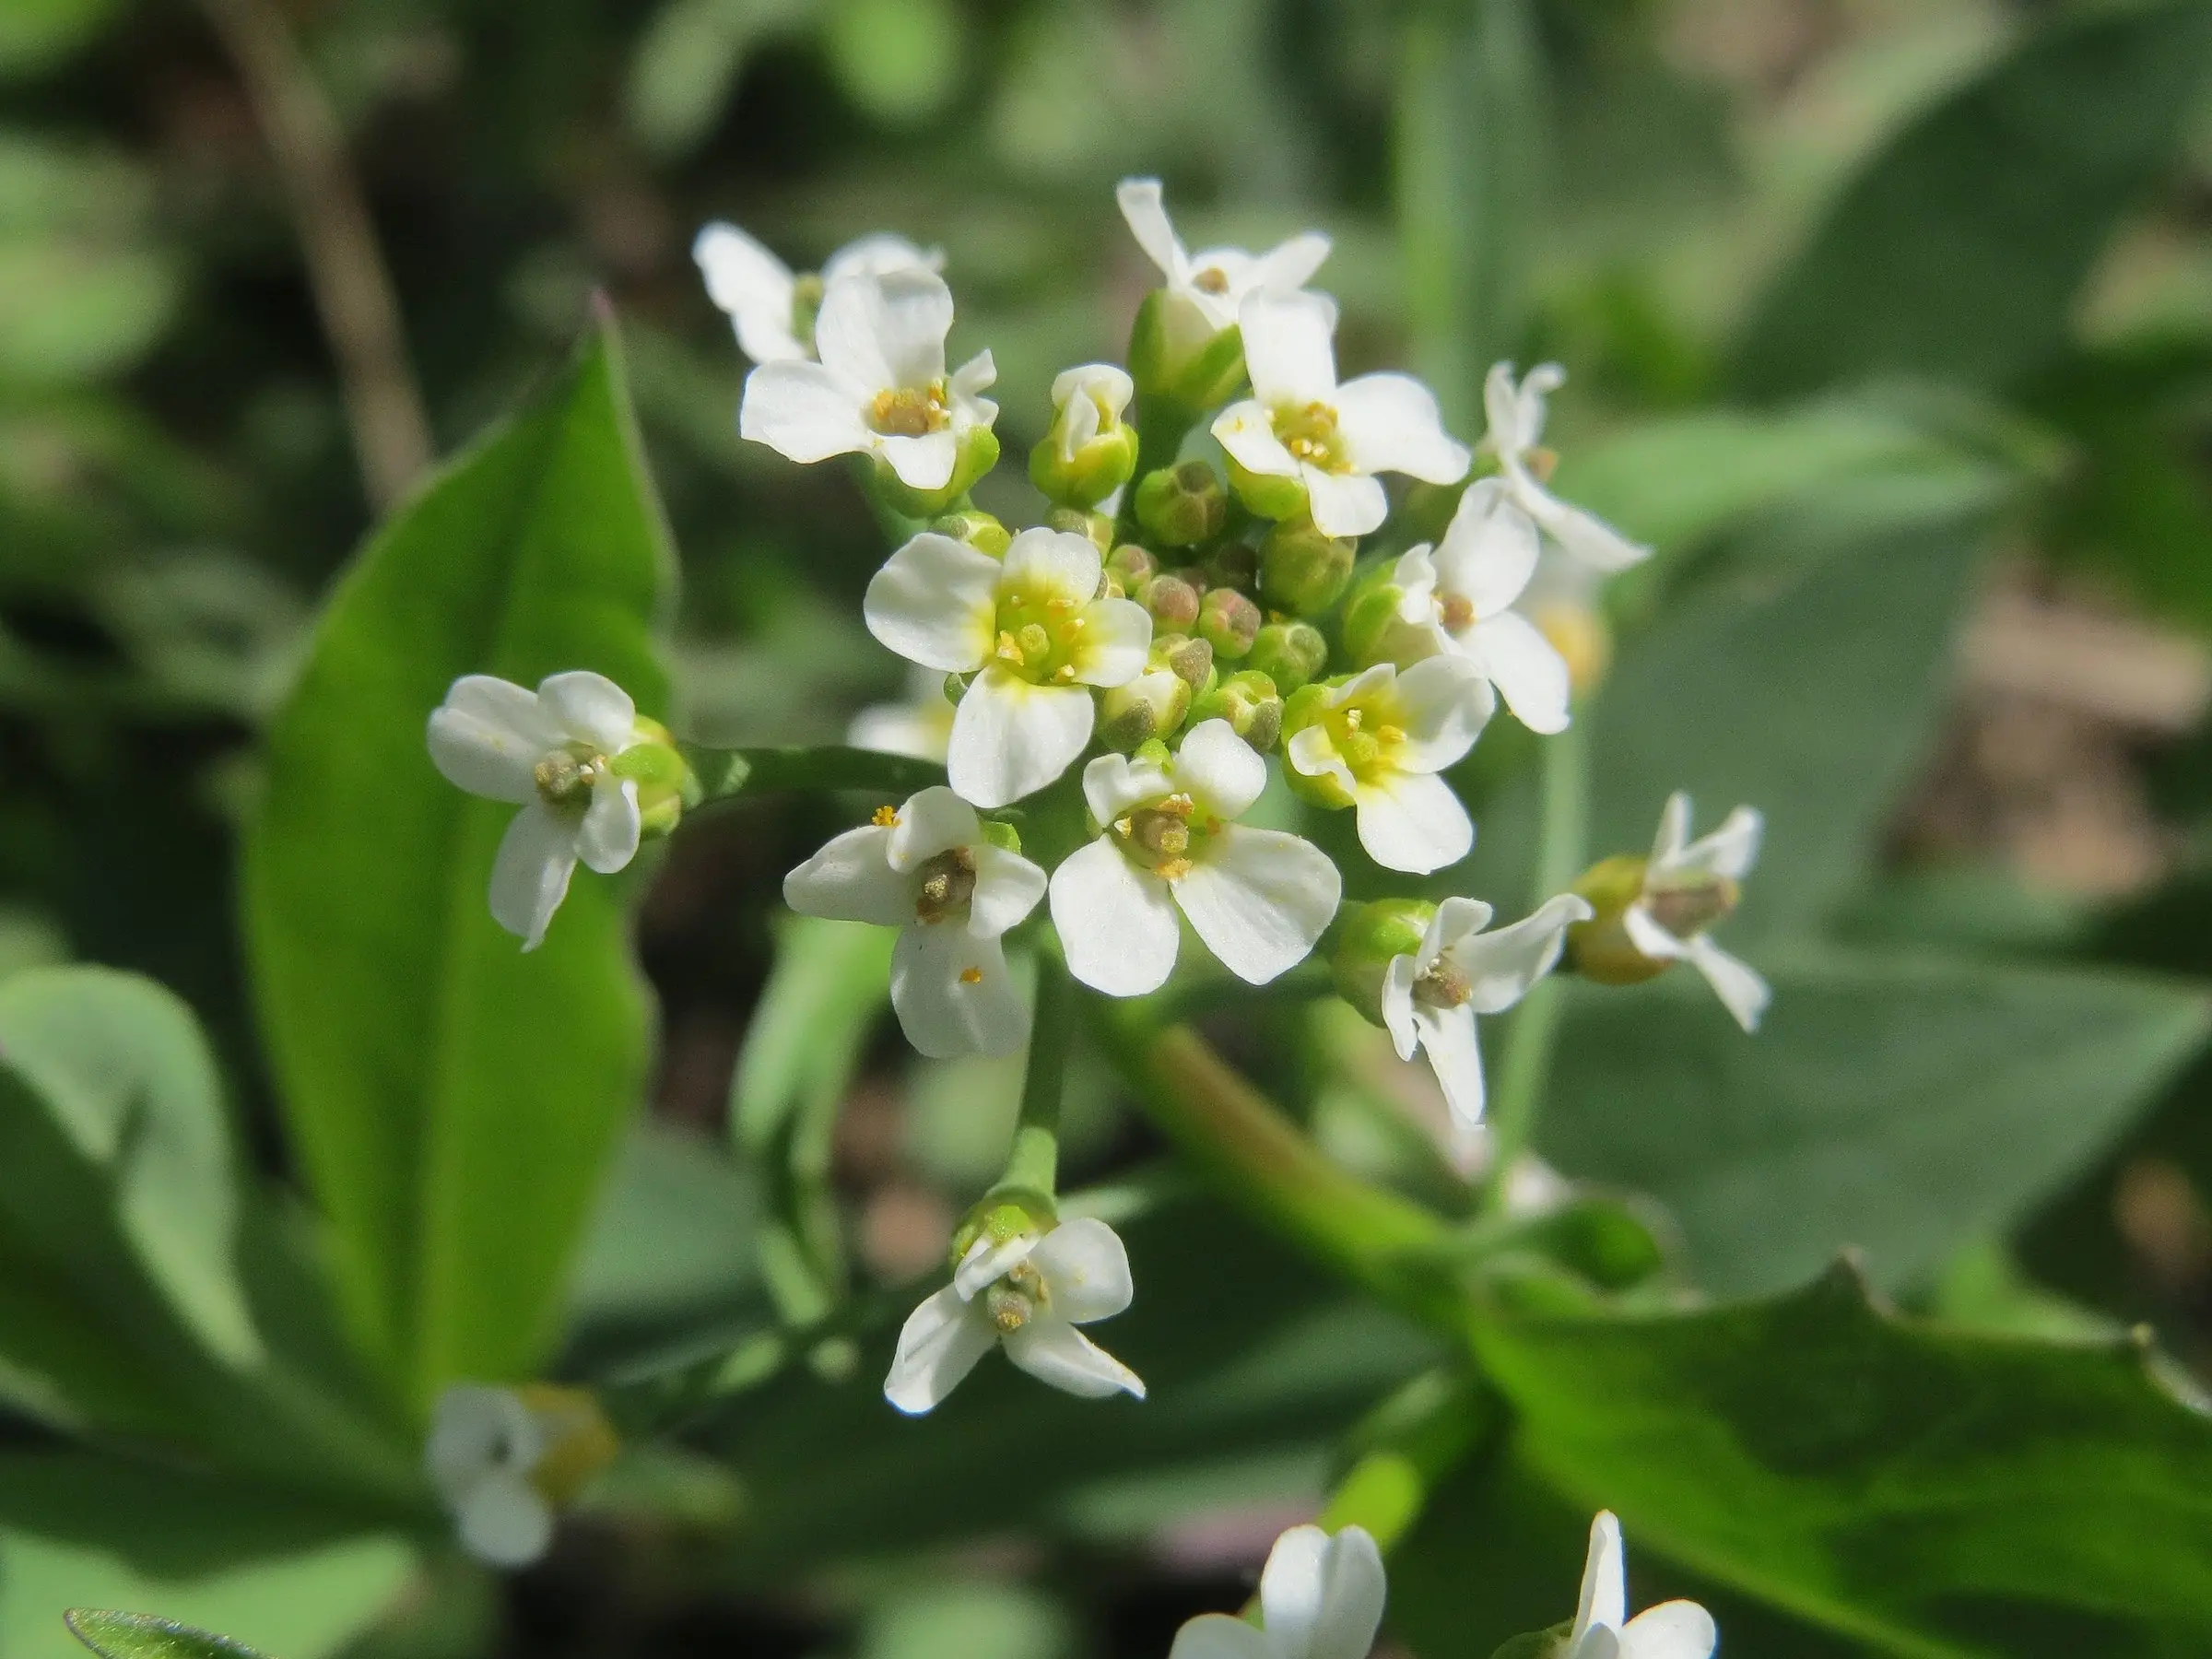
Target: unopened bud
[(665, 784), (1301, 571), (1228, 622), (1289, 653), (1373, 629), (1182, 506), (1178, 356), (1089, 453), (1173, 602), (1192, 661), (1249, 702), (1094, 527), (978, 454), (1128, 568), (1268, 495), (1148, 706), (1371, 937), (978, 530)]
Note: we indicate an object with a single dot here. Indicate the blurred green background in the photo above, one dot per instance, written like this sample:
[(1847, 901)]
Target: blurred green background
[(1822, 271)]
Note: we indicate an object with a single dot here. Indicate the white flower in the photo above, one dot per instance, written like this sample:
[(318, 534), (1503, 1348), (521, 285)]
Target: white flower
[(1377, 741), (1088, 400), (1675, 1630), (484, 1445), (928, 870), (549, 753), (1516, 423), (1258, 898), (1687, 887), (772, 310), (1030, 623), (1321, 1597), (1459, 598), (921, 726), (1205, 289), (1299, 424), (881, 388), (1430, 998), (1026, 1293)]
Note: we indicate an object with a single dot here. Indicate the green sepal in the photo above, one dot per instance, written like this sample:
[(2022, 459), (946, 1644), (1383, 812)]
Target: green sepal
[(1369, 940)]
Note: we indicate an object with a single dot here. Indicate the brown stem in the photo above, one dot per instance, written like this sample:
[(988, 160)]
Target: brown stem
[(345, 265)]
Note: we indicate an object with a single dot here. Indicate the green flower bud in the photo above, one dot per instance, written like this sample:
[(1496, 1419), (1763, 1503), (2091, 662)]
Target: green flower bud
[(1249, 702), (1005, 837), (1095, 527), (1173, 602), (1191, 660), (1233, 565), (1289, 653), (1600, 948), (1370, 937), (1144, 708), (1372, 631), (978, 454), (664, 781), (1089, 453), (1552, 1644), (1301, 571), (1228, 622), (1182, 506), (978, 530), (1000, 1217), (1128, 568), (1267, 495), (1177, 356)]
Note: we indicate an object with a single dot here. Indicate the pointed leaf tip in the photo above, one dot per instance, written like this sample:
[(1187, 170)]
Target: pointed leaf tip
[(148, 1636)]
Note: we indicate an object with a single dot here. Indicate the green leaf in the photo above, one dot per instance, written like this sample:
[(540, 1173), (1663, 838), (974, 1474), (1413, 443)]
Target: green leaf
[(1903, 1107), (1957, 250), (1926, 1491), (35, 35), (454, 1100), (143, 1636)]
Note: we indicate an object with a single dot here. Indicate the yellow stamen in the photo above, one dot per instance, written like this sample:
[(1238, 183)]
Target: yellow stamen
[(886, 818), (971, 976)]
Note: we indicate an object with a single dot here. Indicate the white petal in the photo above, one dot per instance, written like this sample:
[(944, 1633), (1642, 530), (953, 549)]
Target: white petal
[(1674, 832), (1289, 353), (1501, 966), (1010, 738), (1456, 919), (1414, 578), (488, 735), (1649, 937), (1117, 638), (1343, 504), (802, 412), (1244, 430), (1115, 921), (1218, 1636), (1053, 1352), (1398, 1005), (878, 254), (933, 602), (850, 880), (1312, 754), (1259, 899), (607, 839), (1113, 785), (953, 993), (1740, 986), (986, 1261), (1044, 564), (1008, 888), (1390, 423), (1321, 1597), (1446, 702), (1583, 534), (920, 730), (753, 287), (1526, 668), (1147, 216), (1086, 1270), (504, 1521), (1448, 1038), (939, 1344), (1218, 769), (1502, 410), (1489, 550), (885, 333), (1605, 1578), (923, 462), (591, 709), (475, 1429), (1413, 822), (930, 821), (1290, 265), (1675, 1630), (530, 877), (1730, 850), (979, 374)]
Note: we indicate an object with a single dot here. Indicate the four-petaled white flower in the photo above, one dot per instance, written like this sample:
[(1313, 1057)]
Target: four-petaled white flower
[(1430, 998), (1258, 898), (484, 1445), (1459, 596), (1031, 624), (920, 726), (1675, 1630), (1330, 438), (771, 308), (881, 388), (1205, 289), (1321, 1597), (1516, 424), (549, 752), (1688, 885), (1378, 741), (1028, 1294), (928, 870)]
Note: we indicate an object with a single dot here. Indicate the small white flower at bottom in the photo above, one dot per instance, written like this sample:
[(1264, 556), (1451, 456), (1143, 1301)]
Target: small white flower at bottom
[(547, 751), (1687, 885), (1516, 425), (928, 870), (1430, 998), (1321, 1597), (1026, 1294), (1258, 898), (1675, 1630), (498, 1458)]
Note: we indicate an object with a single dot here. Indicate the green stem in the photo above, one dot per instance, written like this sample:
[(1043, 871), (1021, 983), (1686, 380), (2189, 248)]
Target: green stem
[(1033, 1165), (1400, 1452), (1562, 853)]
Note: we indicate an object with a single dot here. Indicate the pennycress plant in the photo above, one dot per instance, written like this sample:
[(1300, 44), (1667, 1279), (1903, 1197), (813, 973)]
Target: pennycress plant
[(1143, 705)]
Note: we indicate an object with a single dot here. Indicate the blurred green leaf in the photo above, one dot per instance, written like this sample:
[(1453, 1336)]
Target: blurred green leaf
[(35, 35), (1900, 1106), (1958, 249), (143, 1636), (1926, 1491), (687, 62), (899, 60), (456, 1102)]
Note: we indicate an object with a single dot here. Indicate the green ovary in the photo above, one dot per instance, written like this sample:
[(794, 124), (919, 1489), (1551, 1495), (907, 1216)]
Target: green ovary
[(1042, 638)]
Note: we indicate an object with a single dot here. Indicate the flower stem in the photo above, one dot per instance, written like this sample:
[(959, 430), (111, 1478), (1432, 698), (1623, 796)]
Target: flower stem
[(1404, 1448), (1562, 850), (1033, 1164)]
